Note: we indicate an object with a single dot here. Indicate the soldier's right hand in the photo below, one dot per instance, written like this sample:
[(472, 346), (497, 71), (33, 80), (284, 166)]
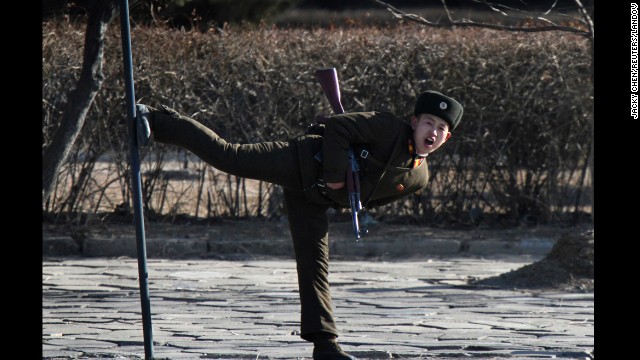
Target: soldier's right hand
[(335, 186)]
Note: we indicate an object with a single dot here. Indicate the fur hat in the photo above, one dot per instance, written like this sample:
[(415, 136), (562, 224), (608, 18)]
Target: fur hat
[(435, 103)]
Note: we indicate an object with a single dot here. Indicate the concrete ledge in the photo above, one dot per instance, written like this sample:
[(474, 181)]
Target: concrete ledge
[(490, 247), (493, 247), (156, 248), (61, 246), (366, 247), (272, 247), (176, 248), (94, 247), (237, 240), (536, 245)]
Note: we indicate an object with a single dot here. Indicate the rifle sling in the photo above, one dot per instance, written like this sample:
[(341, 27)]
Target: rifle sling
[(396, 148)]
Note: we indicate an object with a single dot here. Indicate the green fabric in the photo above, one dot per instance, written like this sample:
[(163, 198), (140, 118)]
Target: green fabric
[(275, 162), (291, 164), (385, 135)]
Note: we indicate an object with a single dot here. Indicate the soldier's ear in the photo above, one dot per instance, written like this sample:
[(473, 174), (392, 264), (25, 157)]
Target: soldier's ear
[(448, 135), (414, 122)]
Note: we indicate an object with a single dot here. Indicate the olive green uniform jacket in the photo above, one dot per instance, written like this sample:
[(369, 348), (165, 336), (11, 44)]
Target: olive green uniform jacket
[(301, 166), (387, 172)]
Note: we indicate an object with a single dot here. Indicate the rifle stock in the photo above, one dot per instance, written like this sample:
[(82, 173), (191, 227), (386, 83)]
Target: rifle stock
[(328, 79)]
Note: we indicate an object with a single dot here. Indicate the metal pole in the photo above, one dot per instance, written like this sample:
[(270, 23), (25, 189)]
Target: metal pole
[(136, 182)]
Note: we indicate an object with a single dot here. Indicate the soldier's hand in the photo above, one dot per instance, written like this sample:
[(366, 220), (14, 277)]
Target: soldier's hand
[(335, 186)]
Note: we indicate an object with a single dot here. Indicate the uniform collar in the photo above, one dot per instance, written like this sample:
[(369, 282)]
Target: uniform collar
[(412, 149), (417, 158)]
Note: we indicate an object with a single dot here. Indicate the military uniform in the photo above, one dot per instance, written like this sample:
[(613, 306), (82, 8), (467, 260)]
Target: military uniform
[(389, 171)]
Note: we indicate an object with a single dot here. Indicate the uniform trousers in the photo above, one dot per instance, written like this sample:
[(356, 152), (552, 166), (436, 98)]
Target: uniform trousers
[(275, 162)]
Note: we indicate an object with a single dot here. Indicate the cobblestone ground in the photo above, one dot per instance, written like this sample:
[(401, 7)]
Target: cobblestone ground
[(204, 309)]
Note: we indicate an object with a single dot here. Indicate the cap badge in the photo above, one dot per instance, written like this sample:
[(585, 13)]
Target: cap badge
[(443, 105)]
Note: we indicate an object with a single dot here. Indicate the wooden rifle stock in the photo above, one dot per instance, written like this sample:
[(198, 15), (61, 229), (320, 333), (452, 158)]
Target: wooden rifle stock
[(328, 79)]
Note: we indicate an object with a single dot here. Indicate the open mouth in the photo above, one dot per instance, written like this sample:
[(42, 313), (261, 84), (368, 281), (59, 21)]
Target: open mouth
[(429, 142)]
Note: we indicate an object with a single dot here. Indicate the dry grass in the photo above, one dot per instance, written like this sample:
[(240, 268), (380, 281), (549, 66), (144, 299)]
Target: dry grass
[(521, 149)]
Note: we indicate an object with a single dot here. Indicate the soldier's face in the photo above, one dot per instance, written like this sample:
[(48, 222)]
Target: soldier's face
[(429, 133)]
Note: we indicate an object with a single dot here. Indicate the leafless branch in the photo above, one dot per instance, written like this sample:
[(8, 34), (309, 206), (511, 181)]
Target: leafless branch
[(450, 22), (586, 16)]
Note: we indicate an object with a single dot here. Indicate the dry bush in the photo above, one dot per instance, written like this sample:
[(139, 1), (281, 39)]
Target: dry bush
[(519, 154)]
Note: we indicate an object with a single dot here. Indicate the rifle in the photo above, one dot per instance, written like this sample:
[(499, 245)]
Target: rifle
[(328, 79)]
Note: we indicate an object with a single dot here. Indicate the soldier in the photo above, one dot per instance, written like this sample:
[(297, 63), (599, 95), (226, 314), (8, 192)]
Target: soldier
[(311, 169)]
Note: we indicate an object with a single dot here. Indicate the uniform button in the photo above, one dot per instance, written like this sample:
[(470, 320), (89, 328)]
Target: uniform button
[(400, 187)]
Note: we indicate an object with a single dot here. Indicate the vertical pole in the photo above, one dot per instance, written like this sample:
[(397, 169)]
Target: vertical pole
[(136, 182)]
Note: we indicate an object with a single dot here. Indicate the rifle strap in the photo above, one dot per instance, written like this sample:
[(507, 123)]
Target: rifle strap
[(396, 148), (320, 182)]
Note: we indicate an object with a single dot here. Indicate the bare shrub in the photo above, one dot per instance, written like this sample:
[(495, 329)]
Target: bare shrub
[(518, 156)]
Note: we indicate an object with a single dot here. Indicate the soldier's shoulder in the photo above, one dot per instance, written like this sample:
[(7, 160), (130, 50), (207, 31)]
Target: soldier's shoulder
[(387, 116)]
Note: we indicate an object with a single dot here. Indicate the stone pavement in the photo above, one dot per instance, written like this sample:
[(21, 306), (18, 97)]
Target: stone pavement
[(231, 309)]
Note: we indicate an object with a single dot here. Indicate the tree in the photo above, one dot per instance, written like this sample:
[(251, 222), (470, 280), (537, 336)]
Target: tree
[(571, 259), (99, 15)]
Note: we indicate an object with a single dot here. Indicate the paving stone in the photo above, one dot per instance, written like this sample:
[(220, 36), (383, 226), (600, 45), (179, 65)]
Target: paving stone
[(250, 309), (80, 343), (59, 353), (69, 330), (506, 325), (492, 335)]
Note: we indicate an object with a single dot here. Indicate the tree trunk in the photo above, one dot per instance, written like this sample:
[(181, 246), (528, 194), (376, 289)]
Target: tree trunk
[(81, 98)]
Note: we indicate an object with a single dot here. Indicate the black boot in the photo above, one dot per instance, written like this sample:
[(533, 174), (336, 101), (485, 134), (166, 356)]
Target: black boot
[(143, 130), (328, 349)]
